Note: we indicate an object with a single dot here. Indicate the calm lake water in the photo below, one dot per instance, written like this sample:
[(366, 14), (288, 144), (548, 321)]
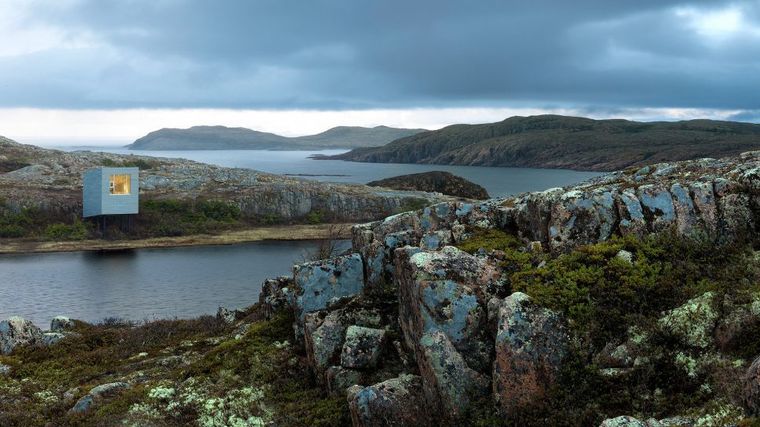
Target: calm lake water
[(185, 282), (498, 181), (142, 284)]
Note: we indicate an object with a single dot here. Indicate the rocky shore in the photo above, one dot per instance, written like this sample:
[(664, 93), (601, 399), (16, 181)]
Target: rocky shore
[(283, 232), (629, 300), (50, 180)]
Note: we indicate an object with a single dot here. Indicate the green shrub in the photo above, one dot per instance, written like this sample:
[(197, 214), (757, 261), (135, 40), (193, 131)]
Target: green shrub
[(59, 231), (315, 217), (12, 230), (219, 211), (173, 217)]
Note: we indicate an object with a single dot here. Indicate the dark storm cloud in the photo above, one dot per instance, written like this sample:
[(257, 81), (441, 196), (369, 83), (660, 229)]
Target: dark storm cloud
[(366, 54)]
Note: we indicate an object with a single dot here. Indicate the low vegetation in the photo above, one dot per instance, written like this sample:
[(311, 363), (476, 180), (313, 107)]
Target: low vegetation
[(620, 291), (197, 371)]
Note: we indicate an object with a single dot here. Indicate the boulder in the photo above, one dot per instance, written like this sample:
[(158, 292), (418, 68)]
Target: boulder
[(17, 331), (325, 334), (61, 324), (447, 291), (322, 283), (448, 382), (442, 311), (396, 402), (693, 322), (50, 338), (276, 294), (229, 316), (362, 347), (531, 344), (339, 379), (323, 340), (582, 217), (623, 421), (97, 394)]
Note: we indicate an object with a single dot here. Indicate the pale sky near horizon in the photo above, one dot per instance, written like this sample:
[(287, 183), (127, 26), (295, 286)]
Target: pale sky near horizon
[(94, 72)]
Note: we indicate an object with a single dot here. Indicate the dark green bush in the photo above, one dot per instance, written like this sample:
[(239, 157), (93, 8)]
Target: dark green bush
[(219, 211), (315, 217), (59, 231)]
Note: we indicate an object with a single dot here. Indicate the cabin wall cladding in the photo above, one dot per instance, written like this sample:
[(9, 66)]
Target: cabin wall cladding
[(96, 193)]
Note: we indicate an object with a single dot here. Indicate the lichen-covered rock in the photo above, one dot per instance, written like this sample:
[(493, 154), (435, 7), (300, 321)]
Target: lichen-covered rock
[(339, 379), (17, 331), (322, 283), (694, 321), (97, 394), (323, 340), (751, 395), (531, 344), (362, 347), (436, 240), (623, 421), (276, 294), (229, 316), (397, 402), (50, 338), (448, 381), (447, 291), (580, 217), (61, 324), (325, 333)]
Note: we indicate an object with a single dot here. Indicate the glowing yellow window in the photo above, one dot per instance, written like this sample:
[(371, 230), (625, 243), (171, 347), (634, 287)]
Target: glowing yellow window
[(119, 184)]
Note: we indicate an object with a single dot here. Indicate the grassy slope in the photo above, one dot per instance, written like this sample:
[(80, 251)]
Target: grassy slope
[(567, 143)]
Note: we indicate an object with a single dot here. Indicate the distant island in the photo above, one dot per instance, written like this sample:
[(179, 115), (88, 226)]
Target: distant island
[(560, 142), (226, 138), (435, 182)]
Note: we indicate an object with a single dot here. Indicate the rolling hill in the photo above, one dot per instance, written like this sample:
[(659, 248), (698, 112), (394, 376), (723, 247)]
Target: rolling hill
[(226, 138), (561, 142)]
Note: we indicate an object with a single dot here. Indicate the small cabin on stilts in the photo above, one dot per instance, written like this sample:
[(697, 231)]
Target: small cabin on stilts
[(111, 196)]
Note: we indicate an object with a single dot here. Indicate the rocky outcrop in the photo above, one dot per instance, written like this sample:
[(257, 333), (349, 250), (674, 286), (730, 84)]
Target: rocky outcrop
[(395, 402), (276, 294), (465, 334), (435, 182), (443, 316), (362, 347), (53, 184), (752, 388), (323, 283), (530, 346), (17, 331), (61, 324), (98, 394)]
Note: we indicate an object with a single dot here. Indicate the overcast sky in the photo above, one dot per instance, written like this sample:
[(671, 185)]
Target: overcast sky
[(102, 70)]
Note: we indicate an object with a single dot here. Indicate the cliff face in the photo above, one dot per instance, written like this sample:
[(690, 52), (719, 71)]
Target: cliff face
[(561, 142), (467, 337), (51, 180)]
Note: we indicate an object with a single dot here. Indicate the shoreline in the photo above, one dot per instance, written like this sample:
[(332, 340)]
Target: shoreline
[(256, 234)]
